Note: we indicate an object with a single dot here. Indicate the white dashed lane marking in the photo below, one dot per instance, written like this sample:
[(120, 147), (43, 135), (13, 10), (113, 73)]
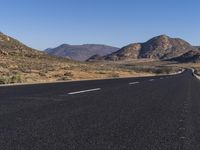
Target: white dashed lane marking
[(151, 80), (182, 137), (84, 91), (133, 83), (181, 120), (182, 129)]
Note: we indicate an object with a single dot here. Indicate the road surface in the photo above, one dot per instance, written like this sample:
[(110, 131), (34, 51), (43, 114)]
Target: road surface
[(149, 113)]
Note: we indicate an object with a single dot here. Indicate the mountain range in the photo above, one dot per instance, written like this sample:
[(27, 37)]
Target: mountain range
[(81, 52), (160, 48), (20, 63)]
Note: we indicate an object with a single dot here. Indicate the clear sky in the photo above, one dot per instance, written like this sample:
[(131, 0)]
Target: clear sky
[(49, 23)]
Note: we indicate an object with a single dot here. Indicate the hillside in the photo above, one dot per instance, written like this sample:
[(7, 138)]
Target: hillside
[(81, 52), (191, 56), (10, 47), (161, 48), (197, 47), (22, 64)]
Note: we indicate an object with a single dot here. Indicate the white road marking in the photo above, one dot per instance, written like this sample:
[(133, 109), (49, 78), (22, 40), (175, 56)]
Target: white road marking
[(161, 78), (182, 129), (151, 80), (84, 91), (132, 83), (182, 138)]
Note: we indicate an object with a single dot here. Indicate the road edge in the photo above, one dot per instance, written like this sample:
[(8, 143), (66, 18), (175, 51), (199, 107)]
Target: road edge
[(194, 74)]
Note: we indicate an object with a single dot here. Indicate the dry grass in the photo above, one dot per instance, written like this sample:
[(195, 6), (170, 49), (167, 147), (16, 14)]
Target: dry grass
[(195, 66), (48, 69)]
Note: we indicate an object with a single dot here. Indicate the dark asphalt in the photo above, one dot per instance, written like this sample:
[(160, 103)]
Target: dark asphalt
[(159, 114)]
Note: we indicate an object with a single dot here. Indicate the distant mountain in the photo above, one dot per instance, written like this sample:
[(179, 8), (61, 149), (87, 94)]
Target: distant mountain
[(95, 58), (81, 52), (191, 56), (161, 47)]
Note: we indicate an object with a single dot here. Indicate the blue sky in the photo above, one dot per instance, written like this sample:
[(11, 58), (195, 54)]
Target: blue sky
[(49, 23)]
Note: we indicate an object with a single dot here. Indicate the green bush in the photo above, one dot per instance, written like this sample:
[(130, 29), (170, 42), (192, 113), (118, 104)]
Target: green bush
[(16, 79), (2, 80), (10, 79)]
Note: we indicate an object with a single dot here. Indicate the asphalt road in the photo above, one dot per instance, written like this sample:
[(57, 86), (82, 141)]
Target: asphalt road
[(152, 113)]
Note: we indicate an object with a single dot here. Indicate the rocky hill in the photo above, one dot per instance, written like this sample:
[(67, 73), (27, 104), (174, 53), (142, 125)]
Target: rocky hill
[(81, 52), (197, 47), (191, 56), (11, 47), (22, 64), (95, 58), (161, 47)]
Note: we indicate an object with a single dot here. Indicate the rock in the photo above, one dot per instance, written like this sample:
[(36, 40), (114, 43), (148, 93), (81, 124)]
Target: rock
[(3, 53), (161, 47), (191, 56)]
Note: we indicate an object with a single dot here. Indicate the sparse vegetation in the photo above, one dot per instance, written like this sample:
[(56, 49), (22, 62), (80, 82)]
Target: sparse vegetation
[(155, 70), (10, 79), (23, 64), (43, 74), (114, 75), (64, 78)]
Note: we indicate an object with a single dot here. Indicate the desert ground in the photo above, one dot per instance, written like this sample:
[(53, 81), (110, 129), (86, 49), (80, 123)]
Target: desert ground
[(51, 70)]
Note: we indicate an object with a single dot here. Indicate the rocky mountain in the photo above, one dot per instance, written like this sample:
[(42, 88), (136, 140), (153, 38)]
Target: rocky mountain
[(95, 58), (81, 52), (197, 47), (161, 47), (20, 63), (12, 47), (191, 56)]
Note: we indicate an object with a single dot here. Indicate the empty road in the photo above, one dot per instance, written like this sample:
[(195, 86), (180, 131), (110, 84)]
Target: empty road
[(149, 113)]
